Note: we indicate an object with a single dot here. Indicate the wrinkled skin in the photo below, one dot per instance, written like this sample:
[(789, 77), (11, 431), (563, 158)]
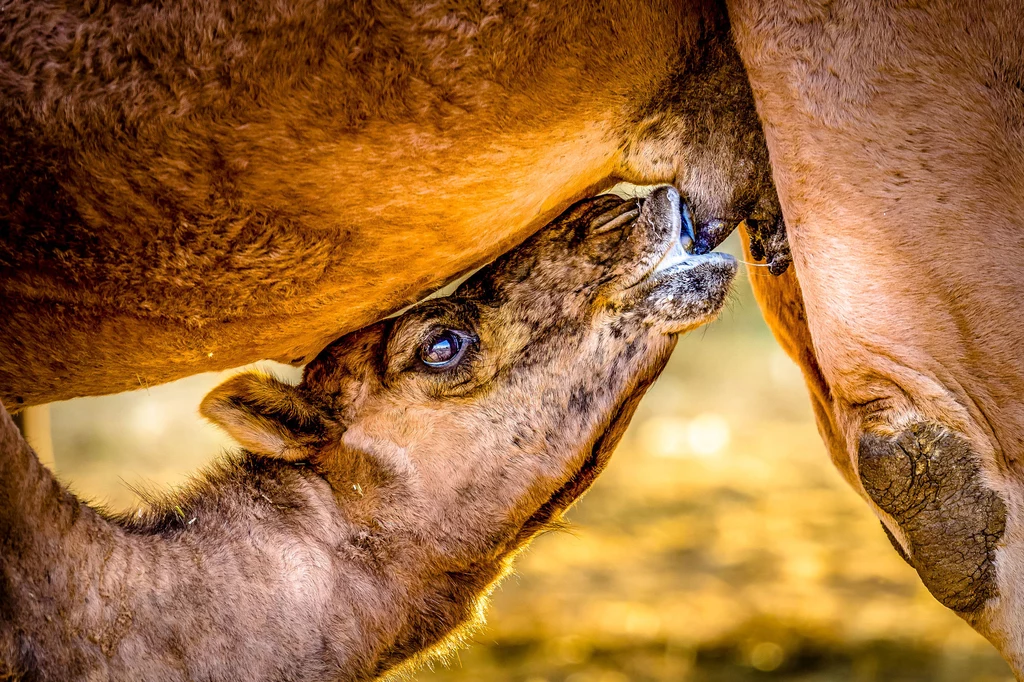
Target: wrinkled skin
[(380, 499), (895, 139), (192, 186)]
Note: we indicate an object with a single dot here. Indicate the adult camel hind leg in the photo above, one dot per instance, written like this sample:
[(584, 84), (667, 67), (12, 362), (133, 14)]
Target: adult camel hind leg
[(895, 139)]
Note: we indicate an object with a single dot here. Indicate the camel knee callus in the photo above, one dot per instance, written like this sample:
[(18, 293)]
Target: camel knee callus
[(378, 500), (928, 481)]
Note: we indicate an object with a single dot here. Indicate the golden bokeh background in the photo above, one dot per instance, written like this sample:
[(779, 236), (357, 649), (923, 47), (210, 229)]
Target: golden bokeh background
[(719, 545)]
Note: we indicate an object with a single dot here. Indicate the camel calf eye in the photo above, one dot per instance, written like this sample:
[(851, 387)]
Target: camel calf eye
[(444, 349)]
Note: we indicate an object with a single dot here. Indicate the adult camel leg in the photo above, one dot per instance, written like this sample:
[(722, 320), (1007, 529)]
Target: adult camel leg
[(34, 424), (895, 144), (924, 478), (782, 305)]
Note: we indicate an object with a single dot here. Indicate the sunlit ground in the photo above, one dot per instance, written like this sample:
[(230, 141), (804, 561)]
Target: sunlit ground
[(719, 545)]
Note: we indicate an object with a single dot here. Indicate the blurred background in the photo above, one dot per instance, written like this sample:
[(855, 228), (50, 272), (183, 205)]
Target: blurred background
[(719, 545)]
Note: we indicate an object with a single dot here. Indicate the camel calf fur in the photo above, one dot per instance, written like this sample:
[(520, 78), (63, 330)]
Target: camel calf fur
[(382, 497)]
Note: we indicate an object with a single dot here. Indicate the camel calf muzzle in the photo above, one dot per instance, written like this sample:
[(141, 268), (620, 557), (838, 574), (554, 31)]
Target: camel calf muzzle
[(378, 501)]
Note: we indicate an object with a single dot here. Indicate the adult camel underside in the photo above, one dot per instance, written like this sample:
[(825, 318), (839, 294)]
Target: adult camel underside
[(192, 187), (189, 187)]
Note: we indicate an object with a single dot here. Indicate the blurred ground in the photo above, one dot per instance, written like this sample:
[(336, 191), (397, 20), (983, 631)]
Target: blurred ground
[(720, 545)]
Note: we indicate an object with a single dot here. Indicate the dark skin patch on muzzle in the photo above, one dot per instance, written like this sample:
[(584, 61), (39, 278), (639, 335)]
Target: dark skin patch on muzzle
[(927, 479)]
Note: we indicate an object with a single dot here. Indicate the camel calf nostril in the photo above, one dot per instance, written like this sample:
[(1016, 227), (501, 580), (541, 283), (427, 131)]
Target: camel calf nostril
[(614, 220)]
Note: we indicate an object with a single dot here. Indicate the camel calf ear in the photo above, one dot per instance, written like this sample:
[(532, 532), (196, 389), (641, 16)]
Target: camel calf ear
[(267, 416)]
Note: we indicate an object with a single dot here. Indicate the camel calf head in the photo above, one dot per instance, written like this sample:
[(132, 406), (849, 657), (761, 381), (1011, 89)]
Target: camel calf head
[(379, 499), (495, 407)]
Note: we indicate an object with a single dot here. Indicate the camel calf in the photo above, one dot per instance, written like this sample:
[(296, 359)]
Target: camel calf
[(379, 500)]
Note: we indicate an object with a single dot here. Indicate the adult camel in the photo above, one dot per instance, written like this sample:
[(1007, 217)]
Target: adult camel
[(191, 187)]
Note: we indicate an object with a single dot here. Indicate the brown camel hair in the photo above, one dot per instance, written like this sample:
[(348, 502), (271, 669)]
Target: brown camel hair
[(378, 501), (196, 185)]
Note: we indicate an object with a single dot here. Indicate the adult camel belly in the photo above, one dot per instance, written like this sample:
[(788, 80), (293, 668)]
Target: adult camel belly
[(187, 188), (896, 138)]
